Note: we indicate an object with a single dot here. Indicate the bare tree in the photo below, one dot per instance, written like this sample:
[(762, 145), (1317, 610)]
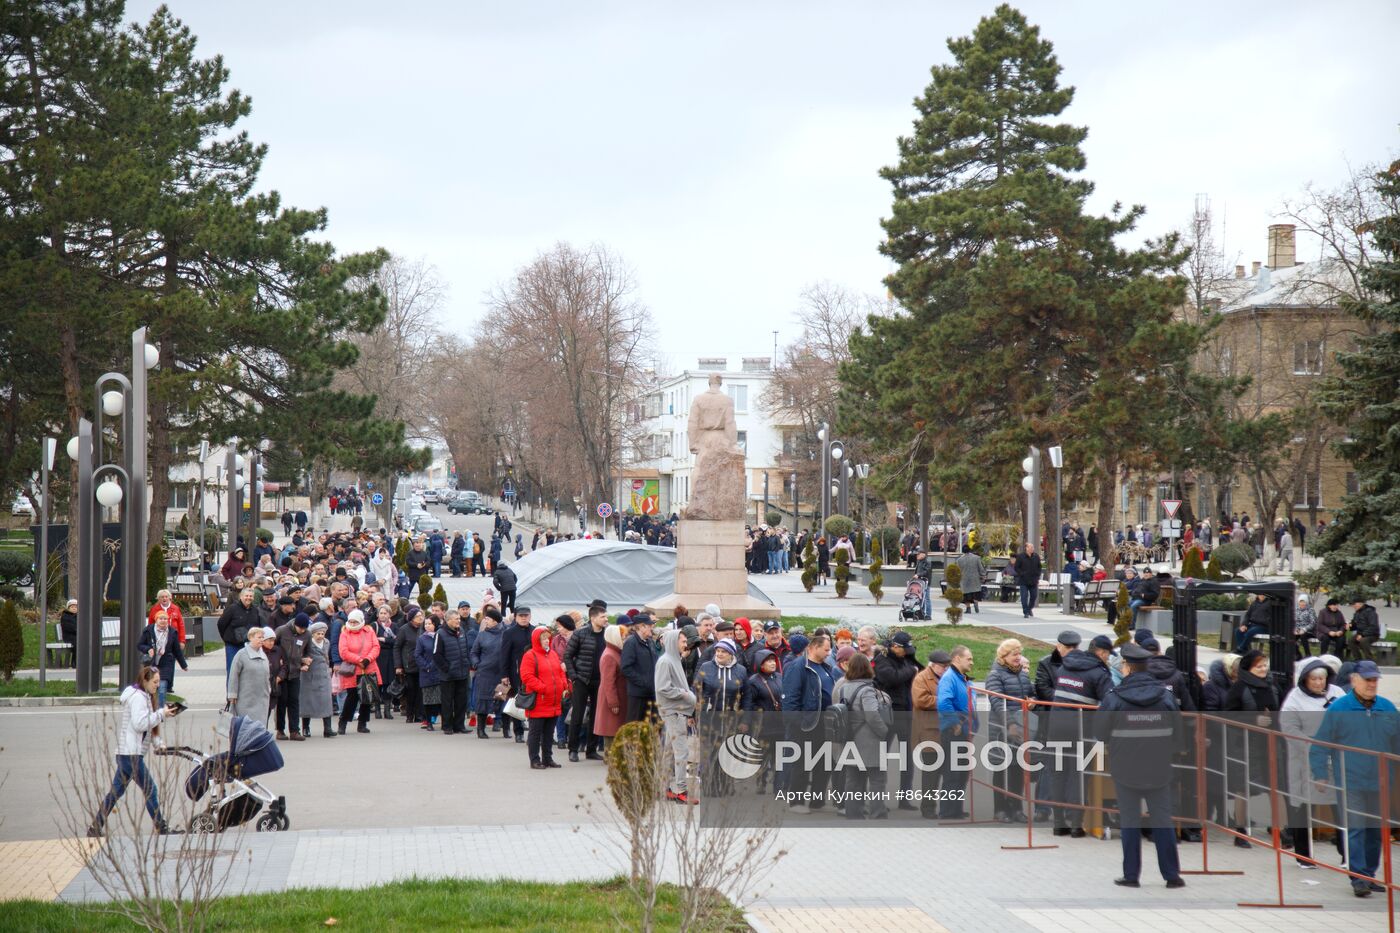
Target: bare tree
[(394, 358), (803, 391), (159, 882), (570, 326)]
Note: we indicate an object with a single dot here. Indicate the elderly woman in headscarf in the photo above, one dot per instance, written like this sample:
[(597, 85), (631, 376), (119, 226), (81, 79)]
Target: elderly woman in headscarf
[(1300, 715), (359, 650), (315, 681), (249, 680), (1304, 628)]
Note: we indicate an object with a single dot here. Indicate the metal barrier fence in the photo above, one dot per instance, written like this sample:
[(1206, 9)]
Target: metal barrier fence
[(1223, 767)]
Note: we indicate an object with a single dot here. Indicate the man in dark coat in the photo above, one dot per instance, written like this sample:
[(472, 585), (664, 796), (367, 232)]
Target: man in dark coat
[(1027, 571), (292, 639), (1140, 722), (504, 580), (416, 563), (1083, 679), (405, 665), (895, 670), (515, 642), (639, 669), (581, 658), (436, 548)]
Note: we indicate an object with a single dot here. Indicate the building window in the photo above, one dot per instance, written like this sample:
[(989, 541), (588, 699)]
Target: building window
[(1353, 486), (179, 497), (1307, 358), (744, 440), (1142, 510), (1227, 361), (1308, 493), (740, 395)]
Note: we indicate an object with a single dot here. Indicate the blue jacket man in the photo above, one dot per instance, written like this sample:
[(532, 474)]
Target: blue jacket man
[(957, 722), (1360, 719), (436, 547)]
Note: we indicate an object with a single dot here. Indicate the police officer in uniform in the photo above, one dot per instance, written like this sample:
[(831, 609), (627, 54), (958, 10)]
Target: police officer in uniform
[(1140, 722), (1083, 679)]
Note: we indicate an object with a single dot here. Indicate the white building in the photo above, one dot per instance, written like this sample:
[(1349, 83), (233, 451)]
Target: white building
[(661, 453)]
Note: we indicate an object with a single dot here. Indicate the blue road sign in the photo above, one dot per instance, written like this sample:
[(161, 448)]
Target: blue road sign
[(377, 498)]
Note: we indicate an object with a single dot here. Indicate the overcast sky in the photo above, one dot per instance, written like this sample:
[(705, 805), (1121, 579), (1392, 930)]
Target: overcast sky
[(729, 151)]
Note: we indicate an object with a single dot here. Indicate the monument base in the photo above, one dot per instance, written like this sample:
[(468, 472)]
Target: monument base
[(710, 569)]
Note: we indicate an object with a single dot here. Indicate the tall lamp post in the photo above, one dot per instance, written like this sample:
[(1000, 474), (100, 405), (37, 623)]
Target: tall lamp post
[(796, 513), (128, 401), (833, 476), (863, 473), (46, 464), (1057, 460)]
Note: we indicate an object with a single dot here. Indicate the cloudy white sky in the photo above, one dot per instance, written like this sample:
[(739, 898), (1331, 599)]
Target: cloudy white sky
[(729, 151)]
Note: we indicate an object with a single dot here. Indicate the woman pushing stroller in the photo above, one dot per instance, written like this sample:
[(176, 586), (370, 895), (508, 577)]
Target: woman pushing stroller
[(141, 717)]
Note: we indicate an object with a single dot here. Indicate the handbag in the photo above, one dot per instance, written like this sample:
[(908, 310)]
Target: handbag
[(518, 704), (395, 689), (369, 690), (345, 669)]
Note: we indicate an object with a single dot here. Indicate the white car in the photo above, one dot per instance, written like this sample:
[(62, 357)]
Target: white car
[(22, 506), (425, 523)]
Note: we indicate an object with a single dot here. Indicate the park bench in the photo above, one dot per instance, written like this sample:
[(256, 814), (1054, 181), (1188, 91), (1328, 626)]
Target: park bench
[(1091, 600), (1385, 652), (60, 653)]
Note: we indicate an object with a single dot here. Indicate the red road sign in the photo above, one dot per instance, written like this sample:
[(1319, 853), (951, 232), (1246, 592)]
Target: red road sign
[(1170, 506)]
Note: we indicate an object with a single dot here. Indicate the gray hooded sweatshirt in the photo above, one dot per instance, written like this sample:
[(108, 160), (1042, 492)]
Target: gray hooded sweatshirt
[(673, 693)]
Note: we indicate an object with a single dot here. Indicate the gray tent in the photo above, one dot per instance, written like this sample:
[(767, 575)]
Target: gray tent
[(622, 574)]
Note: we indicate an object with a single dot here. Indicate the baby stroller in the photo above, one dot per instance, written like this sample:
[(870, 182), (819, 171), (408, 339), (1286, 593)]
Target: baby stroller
[(911, 607), (226, 779)]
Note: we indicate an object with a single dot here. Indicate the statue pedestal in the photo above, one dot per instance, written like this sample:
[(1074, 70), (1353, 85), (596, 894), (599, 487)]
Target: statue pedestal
[(710, 569)]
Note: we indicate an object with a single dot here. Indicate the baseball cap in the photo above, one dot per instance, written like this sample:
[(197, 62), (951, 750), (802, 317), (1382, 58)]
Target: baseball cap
[(1069, 637), (1143, 634), (772, 625), (642, 618), (1102, 642), (845, 654), (1367, 670), (464, 605), (1132, 651)]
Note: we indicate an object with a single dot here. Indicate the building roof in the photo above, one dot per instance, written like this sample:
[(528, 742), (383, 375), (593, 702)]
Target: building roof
[(1317, 284)]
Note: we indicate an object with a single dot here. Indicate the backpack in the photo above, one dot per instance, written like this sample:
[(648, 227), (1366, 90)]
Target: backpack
[(843, 721)]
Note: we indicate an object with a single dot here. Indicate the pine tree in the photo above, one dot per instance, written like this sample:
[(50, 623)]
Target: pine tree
[(425, 591), (1361, 548), (877, 579), (1191, 566), (843, 572), (809, 563), (439, 594), (11, 639), (1004, 280), (155, 572), (1213, 572)]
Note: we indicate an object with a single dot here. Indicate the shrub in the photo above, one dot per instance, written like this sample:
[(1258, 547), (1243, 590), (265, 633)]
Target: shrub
[(809, 563), (843, 572), (111, 607), (1233, 558), (213, 540), (439, 594), (15, 566), (773, 517), (1223, 602), (952, 575), (632, 777), (155, 572), (425, 591), (401, 553), (15, 594), (11, 639), (1191, 565), (877, 579), (838, 525), (888, 536), (1213, 568), (264, 533)]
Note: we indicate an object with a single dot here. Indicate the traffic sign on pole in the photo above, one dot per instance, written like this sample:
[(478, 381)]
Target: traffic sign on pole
[(604, 510), (1170, 506), (377, 498)]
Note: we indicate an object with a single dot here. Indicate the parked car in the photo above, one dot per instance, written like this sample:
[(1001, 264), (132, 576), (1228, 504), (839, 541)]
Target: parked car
[(22, 506), (425, 523), (430, 495)]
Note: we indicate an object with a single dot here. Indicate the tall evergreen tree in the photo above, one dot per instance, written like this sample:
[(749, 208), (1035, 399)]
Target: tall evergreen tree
[(1022, 321), (1361, 548)]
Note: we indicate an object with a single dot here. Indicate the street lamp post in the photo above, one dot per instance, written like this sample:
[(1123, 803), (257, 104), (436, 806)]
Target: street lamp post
[(46, 464), (128, 402), (796, 514), (1057, 460)]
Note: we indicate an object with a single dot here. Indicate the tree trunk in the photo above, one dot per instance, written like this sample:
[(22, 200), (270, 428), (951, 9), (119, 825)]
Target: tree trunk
[(73, 401), (1107, 501)]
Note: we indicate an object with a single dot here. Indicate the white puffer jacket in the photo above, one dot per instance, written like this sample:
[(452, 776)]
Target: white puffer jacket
[(138, 719)]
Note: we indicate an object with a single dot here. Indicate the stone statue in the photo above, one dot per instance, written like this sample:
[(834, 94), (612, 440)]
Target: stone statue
[(717, 490)]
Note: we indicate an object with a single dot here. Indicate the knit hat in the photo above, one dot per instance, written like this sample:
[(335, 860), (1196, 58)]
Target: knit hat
[(712, 609), (318, 627), (354, 619), (726, 644), (301, 620)]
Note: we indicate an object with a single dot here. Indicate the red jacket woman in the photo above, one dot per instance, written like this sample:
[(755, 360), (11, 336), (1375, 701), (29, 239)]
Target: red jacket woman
[(360, 646), (542, 673)]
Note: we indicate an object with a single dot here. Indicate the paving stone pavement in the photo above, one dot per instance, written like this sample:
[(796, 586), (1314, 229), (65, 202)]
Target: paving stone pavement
[(916, 879)]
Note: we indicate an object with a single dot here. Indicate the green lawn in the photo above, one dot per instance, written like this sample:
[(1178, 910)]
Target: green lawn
[(29, 687), (409, 905), (982, 639)]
